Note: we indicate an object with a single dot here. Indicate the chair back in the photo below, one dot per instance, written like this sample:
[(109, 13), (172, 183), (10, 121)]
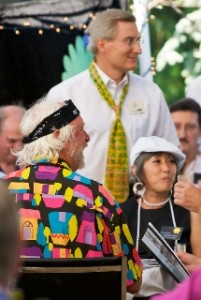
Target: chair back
[(73, 279)]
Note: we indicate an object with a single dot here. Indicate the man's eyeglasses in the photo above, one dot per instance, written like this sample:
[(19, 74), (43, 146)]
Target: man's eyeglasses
[(130, 41)]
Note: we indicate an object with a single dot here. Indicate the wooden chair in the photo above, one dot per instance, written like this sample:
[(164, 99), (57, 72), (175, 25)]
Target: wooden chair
[(73, 279)]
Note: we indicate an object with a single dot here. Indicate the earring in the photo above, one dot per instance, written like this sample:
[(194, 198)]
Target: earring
[(139, 188)]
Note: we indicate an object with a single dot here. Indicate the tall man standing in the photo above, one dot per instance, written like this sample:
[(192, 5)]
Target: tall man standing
[(117, 105)]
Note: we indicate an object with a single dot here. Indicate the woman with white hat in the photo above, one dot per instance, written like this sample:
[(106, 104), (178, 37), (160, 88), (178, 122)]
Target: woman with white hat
[(155, 164)]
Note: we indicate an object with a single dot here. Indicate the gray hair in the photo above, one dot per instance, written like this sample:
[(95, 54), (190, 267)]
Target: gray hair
[(104, 26), (47, 146), (9, 236)]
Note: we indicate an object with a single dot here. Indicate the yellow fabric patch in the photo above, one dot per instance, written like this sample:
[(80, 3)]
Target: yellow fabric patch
[(38, 198), (78, 253), (66, 172), (100, 237), (127, 233), (25, 173), (100, 225), (68, 194), (136, 270), (98, 201), (57, 186), (50, 246), (18, 186), (47, 233), (73, 225), (80, 202)]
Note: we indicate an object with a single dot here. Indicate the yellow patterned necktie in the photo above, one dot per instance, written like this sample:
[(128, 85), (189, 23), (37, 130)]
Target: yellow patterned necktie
[(117, 173)]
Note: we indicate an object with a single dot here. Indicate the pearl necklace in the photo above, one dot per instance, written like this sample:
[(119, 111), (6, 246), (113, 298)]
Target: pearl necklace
[(154, 204), (139, 217)]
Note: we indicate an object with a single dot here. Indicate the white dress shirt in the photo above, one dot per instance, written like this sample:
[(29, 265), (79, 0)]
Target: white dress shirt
[(193, 170), (144, 113)]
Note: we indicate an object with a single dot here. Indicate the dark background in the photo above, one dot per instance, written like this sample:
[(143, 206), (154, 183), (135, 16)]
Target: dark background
[(30, 64)]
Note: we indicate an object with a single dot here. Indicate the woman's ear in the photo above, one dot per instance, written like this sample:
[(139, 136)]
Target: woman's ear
[(133, 170)]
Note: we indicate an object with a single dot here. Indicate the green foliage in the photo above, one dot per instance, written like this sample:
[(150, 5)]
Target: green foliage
[(171, 83), (161, 29), (175, 40)]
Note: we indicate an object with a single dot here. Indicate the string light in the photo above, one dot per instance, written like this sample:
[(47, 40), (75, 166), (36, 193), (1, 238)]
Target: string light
[(39, 30), (153, 64), (27, 23), (58, 27), (152, 17)]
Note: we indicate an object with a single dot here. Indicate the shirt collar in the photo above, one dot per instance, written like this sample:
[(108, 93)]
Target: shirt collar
[(53, 161), (107, 80)]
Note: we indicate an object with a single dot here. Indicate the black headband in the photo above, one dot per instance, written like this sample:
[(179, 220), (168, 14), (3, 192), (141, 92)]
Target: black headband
[(58, 119)]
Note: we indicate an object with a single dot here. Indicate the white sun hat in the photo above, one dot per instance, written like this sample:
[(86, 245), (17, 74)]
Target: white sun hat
[(156, 144)]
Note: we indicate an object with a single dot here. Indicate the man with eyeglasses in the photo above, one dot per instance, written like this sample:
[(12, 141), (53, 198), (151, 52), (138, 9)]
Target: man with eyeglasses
[(186, 115), (118, 106)]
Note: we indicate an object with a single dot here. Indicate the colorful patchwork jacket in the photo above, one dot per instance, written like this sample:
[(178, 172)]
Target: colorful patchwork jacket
[(65, 215)]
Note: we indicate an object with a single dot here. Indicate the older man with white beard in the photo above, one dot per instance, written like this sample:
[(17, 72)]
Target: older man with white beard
[(62, 213)]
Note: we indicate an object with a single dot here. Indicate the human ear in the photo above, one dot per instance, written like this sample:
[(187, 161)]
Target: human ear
[(56, 133), (100, 43), (133, 170)]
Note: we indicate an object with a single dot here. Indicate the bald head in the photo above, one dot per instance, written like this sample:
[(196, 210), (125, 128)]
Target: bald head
[(10, 135), (11, 111)]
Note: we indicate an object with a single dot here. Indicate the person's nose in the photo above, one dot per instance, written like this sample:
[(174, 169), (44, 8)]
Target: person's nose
[(87, 137), (17, 145), (181, 132), (165, 167), (137, 48)]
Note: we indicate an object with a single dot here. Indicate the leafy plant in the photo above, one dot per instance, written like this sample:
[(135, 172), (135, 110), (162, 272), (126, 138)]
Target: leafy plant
[(77, 60), (178, 61)]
